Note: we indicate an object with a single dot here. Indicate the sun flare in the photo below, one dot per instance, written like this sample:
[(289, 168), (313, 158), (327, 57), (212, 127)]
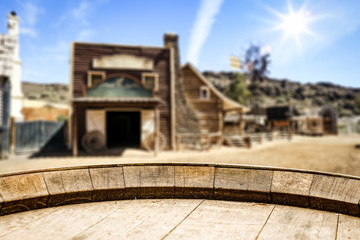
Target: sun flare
[(294, 24)]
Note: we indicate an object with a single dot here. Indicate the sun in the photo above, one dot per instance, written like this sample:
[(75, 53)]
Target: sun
[(294, 24)]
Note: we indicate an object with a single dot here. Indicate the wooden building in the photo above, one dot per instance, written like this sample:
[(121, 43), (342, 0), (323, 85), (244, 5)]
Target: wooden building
[(329, 120), (279, 117), (314, 126), (139, 96), (124, 94), (210, 105)]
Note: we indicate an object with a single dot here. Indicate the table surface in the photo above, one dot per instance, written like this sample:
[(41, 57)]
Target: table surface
[(178, 219)]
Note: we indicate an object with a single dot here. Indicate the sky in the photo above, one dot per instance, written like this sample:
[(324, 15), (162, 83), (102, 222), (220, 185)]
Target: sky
[(322, 46)]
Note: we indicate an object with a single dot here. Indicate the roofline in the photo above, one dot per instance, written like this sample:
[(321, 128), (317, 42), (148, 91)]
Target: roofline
[(212, 88), (120, 45)]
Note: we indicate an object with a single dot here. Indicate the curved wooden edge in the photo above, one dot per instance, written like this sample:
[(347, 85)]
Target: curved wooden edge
[(30, 190)]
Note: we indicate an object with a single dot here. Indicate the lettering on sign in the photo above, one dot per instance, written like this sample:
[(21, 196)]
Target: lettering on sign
[(123, 61)]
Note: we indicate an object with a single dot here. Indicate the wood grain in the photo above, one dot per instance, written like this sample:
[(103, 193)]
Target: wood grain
[(298, 223), (108, 182), (68, 186), (223, 220), (338, 194), (142, 219), (149, 181), (178, 219), (194, 182), (291, 188), (243, 184), (348, 227), (23, 192), (63, 222)]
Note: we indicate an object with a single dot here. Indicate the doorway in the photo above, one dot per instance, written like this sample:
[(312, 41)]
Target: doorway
[(123, 129)]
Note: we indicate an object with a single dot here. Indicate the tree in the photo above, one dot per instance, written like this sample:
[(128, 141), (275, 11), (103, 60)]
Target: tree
[(238, 90)]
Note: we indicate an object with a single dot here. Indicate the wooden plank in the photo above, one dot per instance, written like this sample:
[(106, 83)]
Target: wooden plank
[(177, 219), (68, 186), (291, 188), (299, 223), (63, 222), (243, 184), (223, 220), (338, 194), (23, 192), (348, 227), (141, 219), (194, 182), (15, 222), (108, 182), (149, 181), (157, 131)]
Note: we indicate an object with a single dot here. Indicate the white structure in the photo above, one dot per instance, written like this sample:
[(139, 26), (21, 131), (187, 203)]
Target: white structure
[(10, 65)]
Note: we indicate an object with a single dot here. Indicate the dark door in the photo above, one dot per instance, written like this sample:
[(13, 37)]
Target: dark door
[(327, 123), (123, 129)]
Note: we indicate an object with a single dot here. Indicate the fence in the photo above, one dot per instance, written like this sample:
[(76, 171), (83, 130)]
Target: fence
[(39, 135)]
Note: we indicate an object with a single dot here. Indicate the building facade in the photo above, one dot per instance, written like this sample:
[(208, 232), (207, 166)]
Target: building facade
[(124, 93), (11, 97)]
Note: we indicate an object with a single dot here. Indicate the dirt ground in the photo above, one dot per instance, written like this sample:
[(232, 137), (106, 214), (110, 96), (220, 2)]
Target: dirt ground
[(330, 154)]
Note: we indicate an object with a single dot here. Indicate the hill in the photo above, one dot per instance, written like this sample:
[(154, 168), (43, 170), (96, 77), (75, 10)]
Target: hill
[(305, 97), (54, 92), (273, 92)]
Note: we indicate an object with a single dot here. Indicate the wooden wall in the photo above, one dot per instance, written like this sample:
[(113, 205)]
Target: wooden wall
[(208, 110), (44, 113), (83, 53)]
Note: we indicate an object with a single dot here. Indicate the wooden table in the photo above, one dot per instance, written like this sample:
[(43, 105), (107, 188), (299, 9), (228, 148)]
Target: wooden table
[(178, 219)]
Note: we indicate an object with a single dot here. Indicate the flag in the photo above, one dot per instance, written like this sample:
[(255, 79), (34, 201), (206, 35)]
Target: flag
[(235, 62)]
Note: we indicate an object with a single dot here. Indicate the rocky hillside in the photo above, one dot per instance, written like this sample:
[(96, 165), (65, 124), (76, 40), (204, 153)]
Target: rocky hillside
[(57, 93), (305, 97)]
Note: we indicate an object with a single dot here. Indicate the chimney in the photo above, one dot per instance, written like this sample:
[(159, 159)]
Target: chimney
[(171, 41), (184, 118)]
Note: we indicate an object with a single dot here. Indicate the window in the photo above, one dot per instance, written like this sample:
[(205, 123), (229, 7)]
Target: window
[(204, 92), (95, 78), (150, 81)]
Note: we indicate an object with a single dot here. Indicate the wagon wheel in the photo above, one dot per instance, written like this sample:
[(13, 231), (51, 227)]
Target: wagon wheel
[(93, 141), (149, 142)]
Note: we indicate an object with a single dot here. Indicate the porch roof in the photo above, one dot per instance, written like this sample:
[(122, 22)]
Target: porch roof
[(154, 100)]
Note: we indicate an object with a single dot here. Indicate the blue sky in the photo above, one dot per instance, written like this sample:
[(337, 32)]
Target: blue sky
[(209, 30)]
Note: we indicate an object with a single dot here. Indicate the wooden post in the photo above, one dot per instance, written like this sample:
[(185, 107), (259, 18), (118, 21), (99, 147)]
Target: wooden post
[(157, 129), (240, 122), (75, 133), (289, 134), (208, 142), (12, 136), (178, 142)]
